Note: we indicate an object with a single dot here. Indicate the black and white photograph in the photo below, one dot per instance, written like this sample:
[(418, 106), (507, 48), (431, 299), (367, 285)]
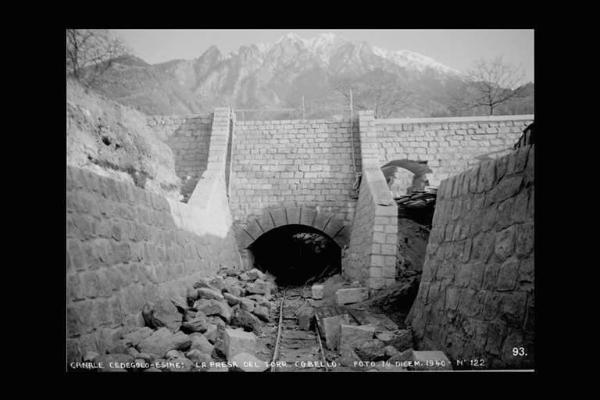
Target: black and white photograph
[(299, 200)]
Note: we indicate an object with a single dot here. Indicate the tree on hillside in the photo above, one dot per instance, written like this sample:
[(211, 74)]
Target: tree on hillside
[(376, 90), (494, 82), (90, 52)]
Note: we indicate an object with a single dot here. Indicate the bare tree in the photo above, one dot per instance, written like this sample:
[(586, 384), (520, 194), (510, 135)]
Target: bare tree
[(495, 82), (376, 90), (90, 52)]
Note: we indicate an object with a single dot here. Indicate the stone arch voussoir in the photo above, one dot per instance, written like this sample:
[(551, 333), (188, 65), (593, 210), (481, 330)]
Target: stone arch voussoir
[(248, 231)]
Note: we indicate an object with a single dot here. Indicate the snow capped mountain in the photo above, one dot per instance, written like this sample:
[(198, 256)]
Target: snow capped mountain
[(275, 75), (410, 59), (324, 46)]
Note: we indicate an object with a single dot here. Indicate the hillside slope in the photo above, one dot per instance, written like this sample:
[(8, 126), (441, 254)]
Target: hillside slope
[(113, 140)]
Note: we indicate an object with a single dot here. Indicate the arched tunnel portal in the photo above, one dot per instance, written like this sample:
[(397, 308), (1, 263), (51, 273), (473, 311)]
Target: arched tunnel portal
[(298, 246)]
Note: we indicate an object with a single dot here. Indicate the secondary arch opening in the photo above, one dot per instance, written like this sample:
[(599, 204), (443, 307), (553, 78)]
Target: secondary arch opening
[(296, 255)]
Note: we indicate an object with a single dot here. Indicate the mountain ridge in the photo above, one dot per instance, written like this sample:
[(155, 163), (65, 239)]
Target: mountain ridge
[(273, 75)]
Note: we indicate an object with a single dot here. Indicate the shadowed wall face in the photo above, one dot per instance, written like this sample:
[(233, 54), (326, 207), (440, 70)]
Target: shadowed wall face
[(189, 138), (124, 248), (476, 298)]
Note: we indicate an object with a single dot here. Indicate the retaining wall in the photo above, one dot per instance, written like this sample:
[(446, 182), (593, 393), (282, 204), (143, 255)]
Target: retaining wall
[(476, 297), (449, 145)]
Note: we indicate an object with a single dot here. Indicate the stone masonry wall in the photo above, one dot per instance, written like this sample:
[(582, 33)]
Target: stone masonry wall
[(127, 246), (371, 254), (449, 145), (189, 138), (292, 164), (476, 297)]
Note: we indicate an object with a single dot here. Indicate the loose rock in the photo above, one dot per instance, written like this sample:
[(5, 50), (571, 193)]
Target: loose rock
[(164, 313), (317, 291), (261, 312), (198, 324), (371, 350), (164, 340), (135, 337), (211, 333), (246, 320), (237, 341), (206, 293), (214, 307), (247, 304), (352, 335), (200, 342), (199, 357), (231, 299), (255, 274)]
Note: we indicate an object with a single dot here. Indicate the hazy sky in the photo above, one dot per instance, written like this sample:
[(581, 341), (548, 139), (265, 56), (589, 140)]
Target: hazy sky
[(456, 48)]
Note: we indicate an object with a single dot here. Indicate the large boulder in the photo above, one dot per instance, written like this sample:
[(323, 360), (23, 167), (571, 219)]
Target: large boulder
[(198, 324), (261, 312), (401, 339), (255, 274), (232, 286), (214, 307), (135, 337), (200, 342), (237, 341), (247, 304), (218, 283), (371, 350), (231, 299), (163, 340), (162, 313), (352, 335), (202, 359), (206, 293), (246, 320), (212, 333)]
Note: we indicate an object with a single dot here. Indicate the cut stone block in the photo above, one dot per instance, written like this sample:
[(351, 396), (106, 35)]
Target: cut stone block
[(237, 341), (317, 292), (351, 295), (331, 329), (352, 335)]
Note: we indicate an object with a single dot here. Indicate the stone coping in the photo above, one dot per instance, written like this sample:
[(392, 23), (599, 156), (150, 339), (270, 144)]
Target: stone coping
[(445, 120)]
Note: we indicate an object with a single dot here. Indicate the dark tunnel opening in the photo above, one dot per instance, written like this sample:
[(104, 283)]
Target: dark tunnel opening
[(296, 255)]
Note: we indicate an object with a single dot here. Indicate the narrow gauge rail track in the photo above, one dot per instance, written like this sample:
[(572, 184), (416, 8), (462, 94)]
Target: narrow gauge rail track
[(296, 350)]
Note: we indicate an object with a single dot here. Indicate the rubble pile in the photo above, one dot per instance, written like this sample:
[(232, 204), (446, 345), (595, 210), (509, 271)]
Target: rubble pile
[(361, 339), (216, 330)]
